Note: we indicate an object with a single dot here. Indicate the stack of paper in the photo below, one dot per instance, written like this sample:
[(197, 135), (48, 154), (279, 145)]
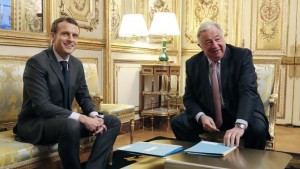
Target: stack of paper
[(155, 149), (210, 149)]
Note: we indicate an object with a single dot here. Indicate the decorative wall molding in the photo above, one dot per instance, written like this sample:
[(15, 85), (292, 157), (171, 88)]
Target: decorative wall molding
[(190, 52), (297, 60), (291, 60), (17, 38), (288, 60), (135, 65), (115, 18), (85, 11), (23, 38), (91, 44), (269, 27), (199, 11), (129, 48), (281, 114)]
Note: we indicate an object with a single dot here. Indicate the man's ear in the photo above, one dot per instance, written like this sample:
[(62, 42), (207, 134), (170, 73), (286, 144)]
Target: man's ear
[(199, 45), (52, 37)]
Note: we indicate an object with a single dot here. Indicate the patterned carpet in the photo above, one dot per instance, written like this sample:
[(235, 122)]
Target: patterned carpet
[(295, 162)]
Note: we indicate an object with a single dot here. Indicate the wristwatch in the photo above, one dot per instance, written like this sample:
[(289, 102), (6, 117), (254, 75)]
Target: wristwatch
[(240, 125)]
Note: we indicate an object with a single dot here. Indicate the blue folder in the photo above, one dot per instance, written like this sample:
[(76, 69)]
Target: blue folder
[(154, 149), (210, 149)]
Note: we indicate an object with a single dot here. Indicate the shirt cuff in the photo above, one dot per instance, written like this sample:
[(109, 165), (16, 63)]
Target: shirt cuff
[(74, 116), (93, 113), (197, 117), (242, 121)]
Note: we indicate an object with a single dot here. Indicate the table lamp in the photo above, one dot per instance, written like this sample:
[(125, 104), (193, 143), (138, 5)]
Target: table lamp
[(164, 24), (133, 25)]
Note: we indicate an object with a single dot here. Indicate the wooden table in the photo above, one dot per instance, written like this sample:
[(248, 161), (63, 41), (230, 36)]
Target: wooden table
[(238, 159)]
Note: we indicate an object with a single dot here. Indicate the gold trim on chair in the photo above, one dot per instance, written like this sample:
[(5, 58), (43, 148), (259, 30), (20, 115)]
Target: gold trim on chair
[(270, 68)]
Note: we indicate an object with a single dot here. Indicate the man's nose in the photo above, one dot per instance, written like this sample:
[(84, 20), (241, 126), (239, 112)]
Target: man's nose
[(71, 38), (214, 44)]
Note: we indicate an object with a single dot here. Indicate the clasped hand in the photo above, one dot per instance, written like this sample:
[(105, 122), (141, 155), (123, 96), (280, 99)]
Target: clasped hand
[(94, 124), (231, 137)]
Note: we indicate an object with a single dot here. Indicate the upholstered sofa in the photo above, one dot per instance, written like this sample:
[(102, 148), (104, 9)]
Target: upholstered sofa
[(14, 154)]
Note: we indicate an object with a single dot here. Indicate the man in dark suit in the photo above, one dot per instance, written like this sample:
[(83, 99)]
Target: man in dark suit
[(49, 89), (241, 111)]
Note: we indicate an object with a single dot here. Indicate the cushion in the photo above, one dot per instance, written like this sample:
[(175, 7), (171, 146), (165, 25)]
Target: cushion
[(11, 89), (265, 80), (12, 152), (123, 111), (91, 76)]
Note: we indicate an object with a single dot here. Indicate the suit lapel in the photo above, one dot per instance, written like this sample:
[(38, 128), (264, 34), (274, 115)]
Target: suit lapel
[(225, 67), (205, 81), (55, 66), (72, 75)]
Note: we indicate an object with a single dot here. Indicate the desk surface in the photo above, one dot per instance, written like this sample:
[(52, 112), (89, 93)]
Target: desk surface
[(239, 158)]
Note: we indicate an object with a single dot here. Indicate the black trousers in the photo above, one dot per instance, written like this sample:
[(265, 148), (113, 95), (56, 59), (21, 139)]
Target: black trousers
[(67, 133), (255, 136)]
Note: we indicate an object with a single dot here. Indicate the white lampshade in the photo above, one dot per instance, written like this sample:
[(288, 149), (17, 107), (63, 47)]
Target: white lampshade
[(164, 23), (133, 25)]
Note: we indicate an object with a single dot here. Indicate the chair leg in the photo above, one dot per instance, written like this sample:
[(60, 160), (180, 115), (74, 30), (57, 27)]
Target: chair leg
[(152, 122), (131, 130), (143, 122), (168, 122)]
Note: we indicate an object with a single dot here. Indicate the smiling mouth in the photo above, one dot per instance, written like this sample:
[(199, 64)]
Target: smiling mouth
[(69, 46), (216, 51)]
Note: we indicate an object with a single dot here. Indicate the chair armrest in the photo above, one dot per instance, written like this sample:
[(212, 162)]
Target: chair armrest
[(272, 113), (273, 98), (97, 99)]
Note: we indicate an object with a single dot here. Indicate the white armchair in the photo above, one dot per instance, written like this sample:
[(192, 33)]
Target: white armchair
[(268, 72)]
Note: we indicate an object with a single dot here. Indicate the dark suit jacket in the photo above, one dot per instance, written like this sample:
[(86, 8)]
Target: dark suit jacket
[(238, 81), (43, 94)]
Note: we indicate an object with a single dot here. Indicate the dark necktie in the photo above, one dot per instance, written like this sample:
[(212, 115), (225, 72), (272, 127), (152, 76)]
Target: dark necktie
[(66, 74), (216, 95)]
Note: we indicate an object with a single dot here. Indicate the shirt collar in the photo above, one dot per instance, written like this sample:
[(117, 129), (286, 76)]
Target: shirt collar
[(210, 62), (59, 58)]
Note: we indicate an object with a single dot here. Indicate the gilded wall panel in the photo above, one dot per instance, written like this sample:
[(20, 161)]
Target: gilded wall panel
[(84, 11), (118, 8), (27, 16), (147, 8), (282, 93), (199, 11), (25, 22), (116, 14), (154, 6), (269, 27)]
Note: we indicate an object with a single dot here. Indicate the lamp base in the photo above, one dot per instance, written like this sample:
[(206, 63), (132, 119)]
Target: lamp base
[(164, 56)]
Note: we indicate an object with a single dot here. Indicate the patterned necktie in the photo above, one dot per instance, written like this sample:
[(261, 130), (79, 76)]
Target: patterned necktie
[(216, 95), (66, 74)]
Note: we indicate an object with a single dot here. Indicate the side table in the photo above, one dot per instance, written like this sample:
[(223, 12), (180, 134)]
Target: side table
[(160, 91)]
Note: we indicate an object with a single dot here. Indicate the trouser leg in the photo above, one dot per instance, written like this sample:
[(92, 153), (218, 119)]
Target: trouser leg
[(257, 133), (185, 129), (65, 132), (104, 143)]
